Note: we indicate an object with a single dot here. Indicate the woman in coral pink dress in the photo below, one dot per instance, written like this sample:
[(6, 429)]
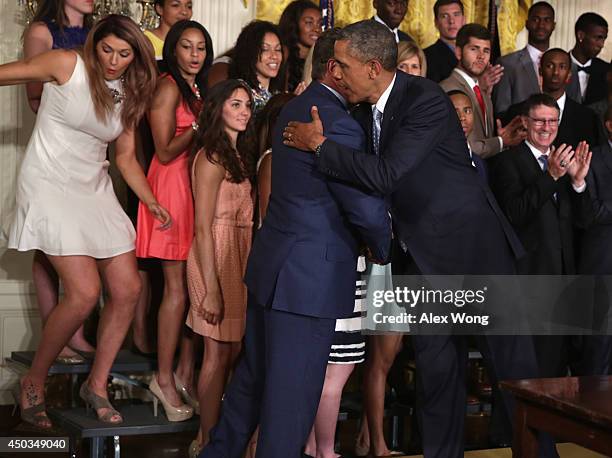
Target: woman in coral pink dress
[(222, 171), (188, 54)]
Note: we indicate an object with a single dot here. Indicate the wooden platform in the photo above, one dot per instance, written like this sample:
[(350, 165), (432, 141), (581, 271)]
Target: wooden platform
[(565, 451)]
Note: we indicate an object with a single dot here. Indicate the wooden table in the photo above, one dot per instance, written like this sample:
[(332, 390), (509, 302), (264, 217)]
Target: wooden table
[(574, 409)]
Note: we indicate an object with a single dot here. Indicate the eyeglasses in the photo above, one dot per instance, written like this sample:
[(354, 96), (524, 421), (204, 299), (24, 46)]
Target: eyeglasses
[(541, 122)]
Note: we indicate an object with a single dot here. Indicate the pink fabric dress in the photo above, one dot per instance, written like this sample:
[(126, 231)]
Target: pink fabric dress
[(171, 186), (232, 232)]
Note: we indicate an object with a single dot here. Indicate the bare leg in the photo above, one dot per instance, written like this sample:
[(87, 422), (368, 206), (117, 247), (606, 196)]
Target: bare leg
[(324, 427), (120, 275), (79, 275), (185, 370), (46, 284), (381, 354), (169, 324), (139, 327), (362, 442), (218, 361)]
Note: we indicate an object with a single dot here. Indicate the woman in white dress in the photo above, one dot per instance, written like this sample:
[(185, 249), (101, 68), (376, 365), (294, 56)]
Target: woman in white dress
[(66, 206)]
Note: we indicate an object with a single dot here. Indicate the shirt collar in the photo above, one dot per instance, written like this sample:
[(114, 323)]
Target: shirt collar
[(336, 93), (534, 53), (536, 152), (382, 101), (378, 19), (586, 64), (471, 81), (561, 102)]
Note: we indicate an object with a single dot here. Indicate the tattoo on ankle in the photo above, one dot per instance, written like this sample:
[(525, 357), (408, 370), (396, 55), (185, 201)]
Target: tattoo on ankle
[(32, 396)]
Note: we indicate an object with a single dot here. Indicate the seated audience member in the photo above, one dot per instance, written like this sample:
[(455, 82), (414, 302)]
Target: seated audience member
[(521, 68), (299, 27), (258, 60), (473, 51), (589, 82), (411, 59), (595, 258), (465, 113), (391, 13), (543, 192), (577, 123), (448, 19)]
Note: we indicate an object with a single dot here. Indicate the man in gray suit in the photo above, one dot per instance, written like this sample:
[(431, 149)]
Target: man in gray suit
[(473, 51), (521, 72)]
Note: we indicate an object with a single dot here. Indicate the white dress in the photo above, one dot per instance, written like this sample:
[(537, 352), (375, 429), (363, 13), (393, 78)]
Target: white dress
[(65, 199)]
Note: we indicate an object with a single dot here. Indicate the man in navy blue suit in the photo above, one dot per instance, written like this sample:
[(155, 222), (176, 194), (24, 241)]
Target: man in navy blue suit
[(301, 277), (445, 219)]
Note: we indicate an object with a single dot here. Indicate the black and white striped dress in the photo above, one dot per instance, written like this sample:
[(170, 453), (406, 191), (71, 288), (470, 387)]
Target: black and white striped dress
[(349, 345)]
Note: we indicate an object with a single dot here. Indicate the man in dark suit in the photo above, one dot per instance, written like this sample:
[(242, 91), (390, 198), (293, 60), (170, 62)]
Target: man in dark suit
[(301, 277), (391, 13), (595, 256), (521, 68), (473, 52), (448, 19), (578, 123), (542, 191), (438, 204), (588, 83)]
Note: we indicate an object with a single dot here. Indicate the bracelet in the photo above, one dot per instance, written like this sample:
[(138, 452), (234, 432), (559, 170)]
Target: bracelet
[(195, 126)]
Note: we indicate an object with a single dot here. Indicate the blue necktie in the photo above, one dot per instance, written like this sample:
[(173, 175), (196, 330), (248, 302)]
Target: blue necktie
[(376, 126), (543, 160)]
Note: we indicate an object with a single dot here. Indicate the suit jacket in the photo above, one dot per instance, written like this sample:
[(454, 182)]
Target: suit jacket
[(577, 123), (401, 35), (440, 61), (518, 82), (482, 138), (596, 87), (444, 216), (304, 256), (595, 253), (544, 225)]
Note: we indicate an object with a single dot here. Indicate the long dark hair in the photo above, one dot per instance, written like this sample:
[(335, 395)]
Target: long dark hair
[(139, 78), (169, 54), (289, 28), (247, 52), (53, 10), (213, 139), (267, 119)]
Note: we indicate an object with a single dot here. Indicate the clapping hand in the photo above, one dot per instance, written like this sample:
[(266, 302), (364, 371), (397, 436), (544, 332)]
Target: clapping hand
[(514, 132), (560, 160), (579, 167), (491, 76), (161, 214)]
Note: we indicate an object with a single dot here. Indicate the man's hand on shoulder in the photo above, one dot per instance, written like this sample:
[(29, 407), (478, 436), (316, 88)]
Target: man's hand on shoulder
[(306, 136)]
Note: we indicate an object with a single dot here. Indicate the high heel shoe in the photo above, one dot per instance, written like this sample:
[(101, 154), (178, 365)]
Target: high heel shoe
[(180, 387), (361, 450), (91, 399), (180, 413), (35, 415)]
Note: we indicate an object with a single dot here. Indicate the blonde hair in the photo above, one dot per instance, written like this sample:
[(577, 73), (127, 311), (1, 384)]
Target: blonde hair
[(407, 49), (139, 78)]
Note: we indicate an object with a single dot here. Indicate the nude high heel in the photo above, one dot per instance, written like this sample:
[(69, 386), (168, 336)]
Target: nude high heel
[(180, 413), (180, 386)]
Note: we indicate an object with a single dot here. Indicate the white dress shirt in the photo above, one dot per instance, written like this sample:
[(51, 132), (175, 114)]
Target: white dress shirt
[(535, 54), (583, 77), (561, 102), (537, 154), (377, 19)]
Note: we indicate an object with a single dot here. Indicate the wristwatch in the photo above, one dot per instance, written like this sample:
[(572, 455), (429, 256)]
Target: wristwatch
[(317, 149)]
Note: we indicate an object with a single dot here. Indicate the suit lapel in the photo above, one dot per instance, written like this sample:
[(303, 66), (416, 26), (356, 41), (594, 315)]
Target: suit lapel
[(363, 114), (470, 92), (390, 108), (528, 68), (606, 154)]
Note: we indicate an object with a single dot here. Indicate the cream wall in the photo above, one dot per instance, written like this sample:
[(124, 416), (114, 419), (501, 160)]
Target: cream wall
[(19, 323)]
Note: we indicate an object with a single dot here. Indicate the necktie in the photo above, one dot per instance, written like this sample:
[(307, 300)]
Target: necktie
[(586, 69), (480, 102), (376, 126), (543, 160)]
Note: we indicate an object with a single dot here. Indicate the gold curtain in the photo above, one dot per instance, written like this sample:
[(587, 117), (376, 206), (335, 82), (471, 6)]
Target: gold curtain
[(419, 21)]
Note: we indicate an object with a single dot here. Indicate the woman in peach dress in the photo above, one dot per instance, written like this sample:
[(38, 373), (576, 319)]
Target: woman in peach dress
[(222, 167)]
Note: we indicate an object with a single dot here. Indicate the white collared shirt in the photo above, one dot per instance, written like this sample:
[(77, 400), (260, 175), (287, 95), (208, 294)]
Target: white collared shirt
[(583, 77), (561, 102), (382, 100), (537, 154), (394, 31), (473, 82), (535, 54)]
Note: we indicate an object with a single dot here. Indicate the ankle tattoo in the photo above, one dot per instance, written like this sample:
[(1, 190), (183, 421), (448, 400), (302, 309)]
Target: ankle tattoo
[(32, 396)]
